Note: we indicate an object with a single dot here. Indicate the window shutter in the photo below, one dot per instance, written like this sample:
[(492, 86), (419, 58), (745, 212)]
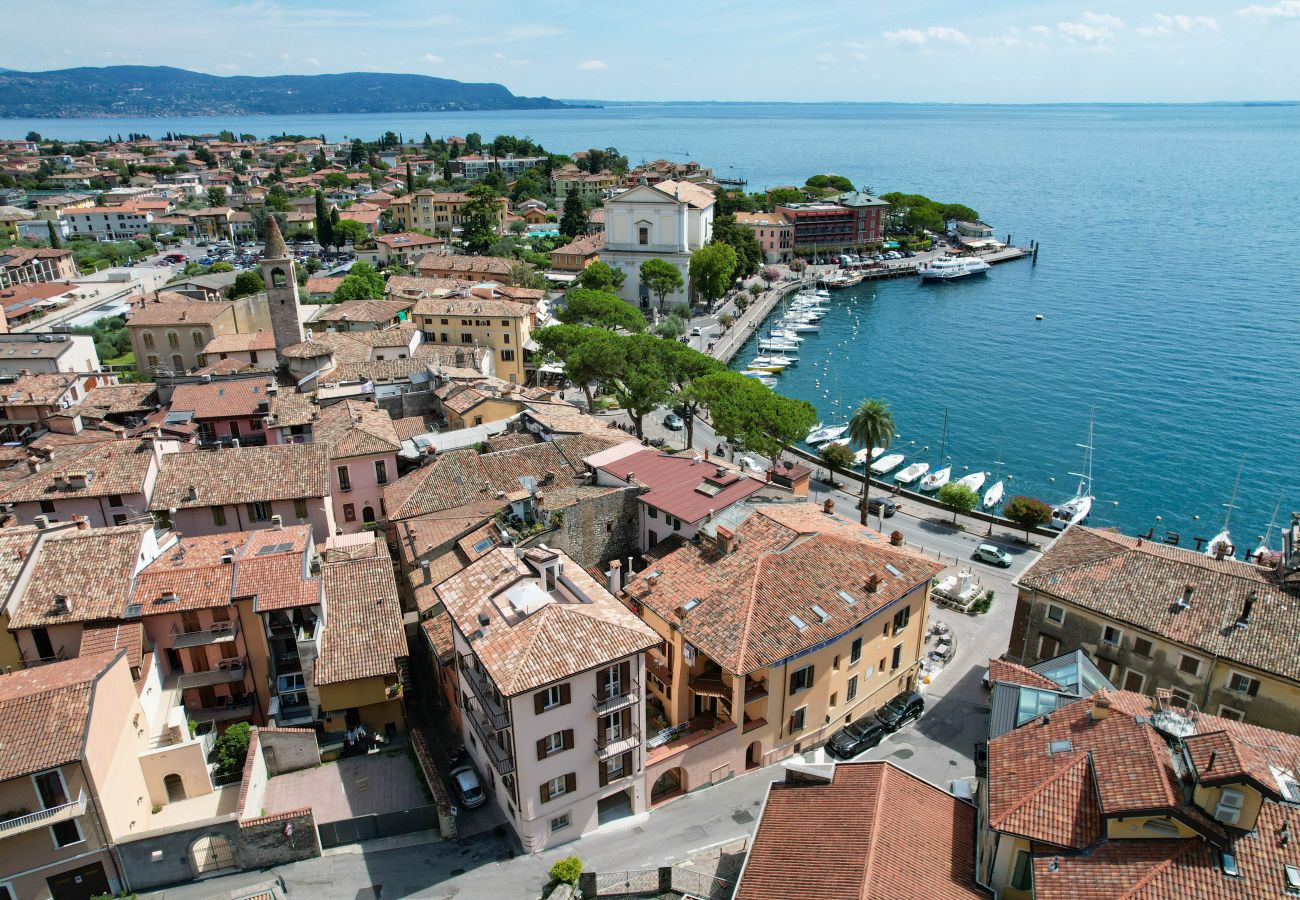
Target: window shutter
[(791, 727), (626, 714), (792, 674), (539, 701), (812, 674), (570, 783), (603, 770), (627, 763), (565, 694), (541, 748), (600, 686), (568, 738), (625, 675), (546, 791), (1254, 687)]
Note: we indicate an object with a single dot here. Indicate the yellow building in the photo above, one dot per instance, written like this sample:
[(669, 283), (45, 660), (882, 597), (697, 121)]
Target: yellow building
[(172, 331), (480, 316), (590, 186), (433, 211), (842, 619)]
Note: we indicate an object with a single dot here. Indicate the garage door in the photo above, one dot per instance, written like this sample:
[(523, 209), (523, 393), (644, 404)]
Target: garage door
[(79, 884), (211, 853)]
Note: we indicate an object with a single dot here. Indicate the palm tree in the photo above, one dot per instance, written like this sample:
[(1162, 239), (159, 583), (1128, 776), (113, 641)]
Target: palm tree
[(872, 426)]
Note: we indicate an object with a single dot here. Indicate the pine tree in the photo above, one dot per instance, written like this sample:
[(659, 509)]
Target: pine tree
[(54, 236), (574, 221)]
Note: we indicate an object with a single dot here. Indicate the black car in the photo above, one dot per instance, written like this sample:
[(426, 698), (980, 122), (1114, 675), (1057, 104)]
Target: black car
[(876, 504), (856, 737), (904, 708)]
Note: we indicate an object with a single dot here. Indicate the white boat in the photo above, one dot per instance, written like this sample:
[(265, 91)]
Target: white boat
[(885, 463), (1075, 510), (936, 479), (951, 268), (801, 327), (822, 294), (763, 378), (1221, 544), (912, 472), (768, 363), (776, 344), (993, 496), (824, 433), (974, 481), (861, 456)]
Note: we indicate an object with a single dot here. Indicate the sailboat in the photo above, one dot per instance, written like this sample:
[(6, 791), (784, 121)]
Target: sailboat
[(993, 496), (1075, 510), (1221, 544), (939, 477), (974, 481), (1263, 547)]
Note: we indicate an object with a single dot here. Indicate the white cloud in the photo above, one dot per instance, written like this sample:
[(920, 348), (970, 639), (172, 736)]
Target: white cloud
[(1166, 24), (826, 58), (498, 56), (1040, 30), (1103, 20), (431, 58), (911, 37), (1082, 33), (312, 61), (1284, 9), (858, 50), (592, 65)]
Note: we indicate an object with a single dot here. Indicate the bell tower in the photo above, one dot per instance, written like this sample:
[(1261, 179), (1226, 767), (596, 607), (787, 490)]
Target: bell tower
[(281, 282)]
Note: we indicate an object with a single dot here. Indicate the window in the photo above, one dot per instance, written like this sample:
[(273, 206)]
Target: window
[(507, 356), (300, 508), (1243, 684), (551, 697), (47, 507), (1227, 712), (1022, 872), (173, 340), (1134, 681), (1142, 647), (219, 516), (798, 719), (147, 338), (1109, 668), (349, 512), (833, 700), (345, 479), (559, 823), (1111, 635), (66, 832), (114, 499), (466, 338), (558, 787), (1048, 646), (178, 362), (801, 679), (651, 512), (643, 235), (898, 657), (197, 337), (381, 472), (855, 651), (901, 618), (1189, 665), (555, 743), (1179, 698), (119, 519), (153, 361), (851, 690), (259, 511), (614, 769)]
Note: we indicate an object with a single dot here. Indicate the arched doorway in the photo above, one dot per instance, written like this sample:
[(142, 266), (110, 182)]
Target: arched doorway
[(211, 853), (671, 783), (754, 755), (175, 787), (367, 514)]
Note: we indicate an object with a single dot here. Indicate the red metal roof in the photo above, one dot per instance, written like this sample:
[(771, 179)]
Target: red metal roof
[(683, 486)]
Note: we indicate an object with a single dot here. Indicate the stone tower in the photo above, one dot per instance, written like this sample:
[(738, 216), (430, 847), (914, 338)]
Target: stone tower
[(281, 288)]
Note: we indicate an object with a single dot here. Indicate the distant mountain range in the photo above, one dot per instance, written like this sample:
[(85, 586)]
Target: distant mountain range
[(117, 91)]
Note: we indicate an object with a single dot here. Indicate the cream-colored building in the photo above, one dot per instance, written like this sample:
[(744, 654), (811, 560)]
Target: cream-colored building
[(668, 221), (480, 316), (433, 211), (171, 331)]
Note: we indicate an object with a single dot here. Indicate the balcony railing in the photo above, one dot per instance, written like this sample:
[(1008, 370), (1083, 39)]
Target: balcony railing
[(613, 702), (228, 671), (501, 759), (222, 712), (42, 818), (216, 633), (497, 716), (755, 690), (607, 745)]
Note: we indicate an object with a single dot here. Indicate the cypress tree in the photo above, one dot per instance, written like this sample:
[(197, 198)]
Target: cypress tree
[(324, 229), (54, 236)]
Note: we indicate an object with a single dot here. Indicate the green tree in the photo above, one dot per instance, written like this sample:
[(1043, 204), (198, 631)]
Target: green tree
[(783, 196), (247, 283), (324, 233), (837, 457), (661, 278), (583, 306), (525, 275), (590, 356), (54, 235), (837, 183), (712, 270), (348, 231), (601, 276), (480, 218), (567, 870), (642, 384), (216, 196), (34, 137), (751, 415), (319, 161), (671, 327), (334, 223), (574, 221), (361, 283), (220, 266), (231, 749), (684, 366), (1027, 512), (749, 253), (277, 199), (960, 498), (474, 141), (871, 426)]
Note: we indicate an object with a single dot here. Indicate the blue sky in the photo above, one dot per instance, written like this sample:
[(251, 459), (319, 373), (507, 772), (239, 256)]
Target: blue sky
[(960, 51)]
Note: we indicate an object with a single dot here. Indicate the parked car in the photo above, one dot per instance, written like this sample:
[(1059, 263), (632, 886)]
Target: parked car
[(468, 787), (673, 422), (906, 707), (695, 332), (747, 463), (878, 504), (993, 555), (856, 738)]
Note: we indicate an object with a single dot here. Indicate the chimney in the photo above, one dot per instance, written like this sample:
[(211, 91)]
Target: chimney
[(615, 575), (721, 472), (83, 523), (192, 495), (1209, 764), (727, 540), (872, 583), (629, 477), (234, 443), (277, 522), (1100, 707), (33, 466), (1247, 605), (41, 521), (427, 570)]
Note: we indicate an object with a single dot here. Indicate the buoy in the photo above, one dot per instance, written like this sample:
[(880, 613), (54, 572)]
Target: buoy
[(1038, 318)]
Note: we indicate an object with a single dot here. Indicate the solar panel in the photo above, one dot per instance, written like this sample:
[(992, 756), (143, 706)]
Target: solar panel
[(275, 548)]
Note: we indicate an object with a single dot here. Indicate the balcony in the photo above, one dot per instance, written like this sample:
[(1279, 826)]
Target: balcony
[(216, 633), (44, 817), (614, 702), (710, 685), (754, 691), (751, 724), (497, 716), (501, 759), (225, 710), (608, 745), (228, 671)]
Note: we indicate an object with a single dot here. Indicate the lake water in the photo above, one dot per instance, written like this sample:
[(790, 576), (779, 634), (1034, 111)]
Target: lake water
[(1167, 280)]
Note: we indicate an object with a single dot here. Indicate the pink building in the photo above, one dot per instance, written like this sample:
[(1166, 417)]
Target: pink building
[(226, 409), (107, 483), (245, 488), (363, 446), (774, 232)]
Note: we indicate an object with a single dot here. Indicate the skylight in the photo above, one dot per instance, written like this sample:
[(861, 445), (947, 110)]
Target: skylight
[(848, 598), (690, 604), (821, 613), (482, 545), (1060, 746), (1229, 863), (1293, 878), (798, 622), (889, 567)]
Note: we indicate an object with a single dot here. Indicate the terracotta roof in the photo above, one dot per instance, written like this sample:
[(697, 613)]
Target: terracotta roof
[(686, 487), (787, 559), (323, 284), (242, 475), (415, 286), (102, 469), (435, 539), (16, 546), (91, 568), (356, 428), (870, 832), (1012, 673), (1138, 582), (560, 639), (344, 348), (170, 308), (227, 366), (584, 245), (363, 636), (275, 248), (224, 398), (241, 343), (409, 426), (470, 305), (289, 408), (121, 399), (40, 390), (44, 714), (468, 265), (114, 637), (370, 311), (381, 370), (396, 336)]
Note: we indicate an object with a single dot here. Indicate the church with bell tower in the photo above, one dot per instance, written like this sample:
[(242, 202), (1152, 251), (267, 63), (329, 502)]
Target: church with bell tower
[(281, 282)]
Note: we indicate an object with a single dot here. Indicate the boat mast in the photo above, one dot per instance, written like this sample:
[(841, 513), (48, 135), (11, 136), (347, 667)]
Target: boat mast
[(1232, 504), (1085, 477), (943, 439)]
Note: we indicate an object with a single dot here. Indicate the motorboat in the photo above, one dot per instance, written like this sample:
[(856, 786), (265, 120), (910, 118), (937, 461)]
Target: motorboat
[(764, 363), (763, 378), (912, 472), (822, 434), (952, 268), (800, 327), (1075, 511), (974, 481), (777, 344), (993, 496), (885, 463), (861, 456), (936, 479)]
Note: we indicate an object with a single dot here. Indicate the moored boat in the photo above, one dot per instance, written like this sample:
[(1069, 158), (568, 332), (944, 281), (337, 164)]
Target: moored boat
[(912, 472), (885, 463), (936, 479), (821, 434), (952, 268), (974, 481), (993, 496)]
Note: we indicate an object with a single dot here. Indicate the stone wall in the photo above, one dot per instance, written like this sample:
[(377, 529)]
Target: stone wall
[(288, 749), (276, 840), (598, 529)]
